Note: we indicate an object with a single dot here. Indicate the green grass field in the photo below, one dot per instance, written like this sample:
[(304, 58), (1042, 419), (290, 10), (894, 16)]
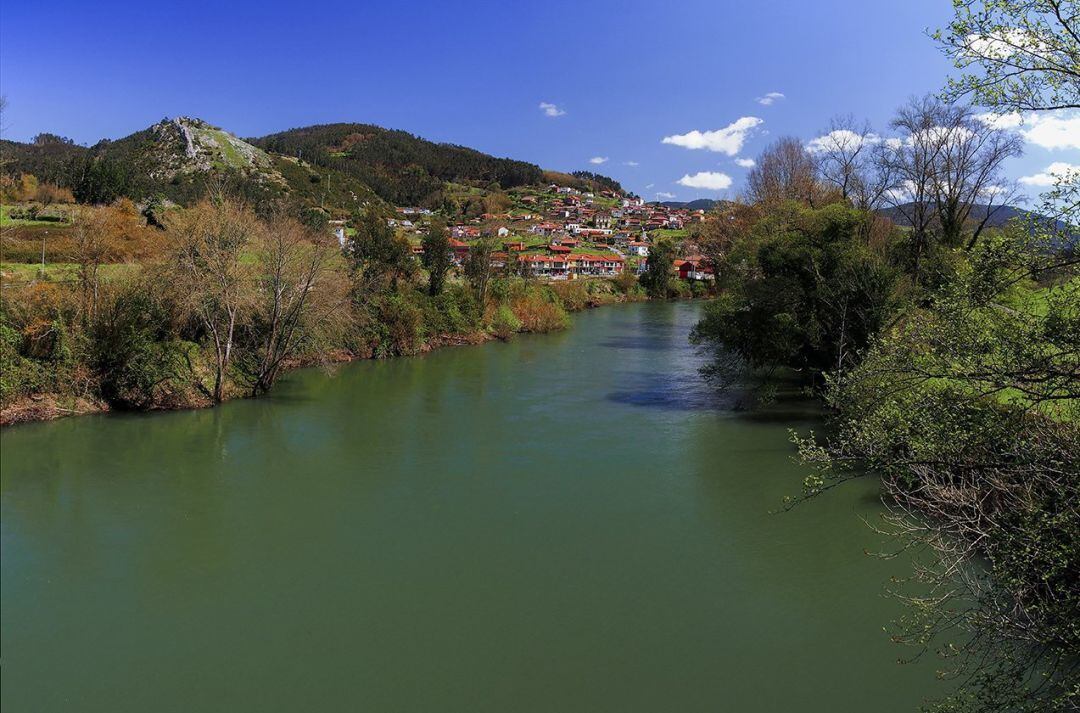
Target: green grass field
[(6, 221)]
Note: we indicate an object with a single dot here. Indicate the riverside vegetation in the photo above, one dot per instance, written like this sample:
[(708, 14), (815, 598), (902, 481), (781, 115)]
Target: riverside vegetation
[(949, 353), (222, 300)]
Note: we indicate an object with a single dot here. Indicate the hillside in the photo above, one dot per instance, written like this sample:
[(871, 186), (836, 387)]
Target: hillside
[(332, 168), (399, 167)]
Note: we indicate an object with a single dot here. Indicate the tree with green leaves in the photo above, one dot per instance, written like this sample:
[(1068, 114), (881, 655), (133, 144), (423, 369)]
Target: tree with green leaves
[(478, 269), (802, 292), (379, 258), (659, 267), (969, 413), (437, 255), (1014, 55)]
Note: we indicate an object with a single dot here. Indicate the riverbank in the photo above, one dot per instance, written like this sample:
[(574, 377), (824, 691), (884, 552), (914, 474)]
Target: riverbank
[(570, 298)]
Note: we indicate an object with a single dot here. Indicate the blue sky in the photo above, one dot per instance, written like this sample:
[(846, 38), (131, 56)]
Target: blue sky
[(622, 75)]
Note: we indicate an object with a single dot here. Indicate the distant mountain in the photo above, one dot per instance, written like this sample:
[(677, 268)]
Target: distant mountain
[(699, 204), (999, 215)]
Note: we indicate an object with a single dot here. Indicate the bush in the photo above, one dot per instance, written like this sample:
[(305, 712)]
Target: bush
[(539, 311), (134, 348), (505, 322)]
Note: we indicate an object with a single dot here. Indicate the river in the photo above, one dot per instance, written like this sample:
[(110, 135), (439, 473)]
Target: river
[(567, 522)]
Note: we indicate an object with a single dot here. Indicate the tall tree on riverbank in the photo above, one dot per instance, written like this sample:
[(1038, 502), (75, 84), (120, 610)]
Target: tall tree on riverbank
[(478, 268), (784, 172), (945, 162), (659, 266), (296, 301), (209, 274), (437, 255)]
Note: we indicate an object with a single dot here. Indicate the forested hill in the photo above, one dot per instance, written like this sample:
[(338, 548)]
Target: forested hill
[(401, 168), (699, 204), (329, 169)]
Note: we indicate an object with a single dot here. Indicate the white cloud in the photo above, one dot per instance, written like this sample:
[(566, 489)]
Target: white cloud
[(1004, 44), (649, 186), (1053, 174), (841, 140), (597, 160), (709, 180), (1058, 130), (1049, 130), (631, 163), (1011, 120), (728, 140), (770, 98), (663, 195), (551, 110), (745, 162)]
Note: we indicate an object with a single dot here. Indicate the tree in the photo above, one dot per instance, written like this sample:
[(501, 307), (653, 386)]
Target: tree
[(478, 268), (784, 171), (208, 272), (946, 161), (804, 292), (1014, 56), (658, 269), (724, 226), (845, 158), (378, 257), (291, 268), (92, 237), (969, 414), (437, 255)]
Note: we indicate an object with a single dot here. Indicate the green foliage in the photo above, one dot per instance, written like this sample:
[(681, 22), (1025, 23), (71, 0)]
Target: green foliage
[(437, 256), (804, 293), (1014, 56), (135, 350), (658, 278), (378, 257), (967, 410)]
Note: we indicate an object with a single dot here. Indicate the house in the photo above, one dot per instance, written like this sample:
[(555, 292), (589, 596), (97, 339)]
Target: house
[(460, 250), (695, 269), (636, 247), (559, 249), (517, 246), (595, 265), (550, 266)]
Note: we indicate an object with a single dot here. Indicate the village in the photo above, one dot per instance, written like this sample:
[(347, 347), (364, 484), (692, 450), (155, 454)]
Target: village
[(563, 233)]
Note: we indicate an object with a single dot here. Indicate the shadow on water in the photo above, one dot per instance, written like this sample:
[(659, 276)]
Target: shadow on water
[(674, 392)]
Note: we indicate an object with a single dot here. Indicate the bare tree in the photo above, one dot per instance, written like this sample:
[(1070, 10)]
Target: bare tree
[(91, 238), (784, 171), (845, 158), (726, 224), (210, 240), (946, 162), (292, 264)]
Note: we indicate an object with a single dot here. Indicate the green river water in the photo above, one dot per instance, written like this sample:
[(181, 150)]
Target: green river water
[(569, 522)]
